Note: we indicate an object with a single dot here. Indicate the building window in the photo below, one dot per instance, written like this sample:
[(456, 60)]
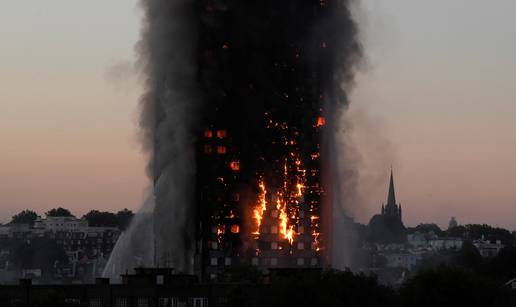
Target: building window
[(199, 302), (214, 261), (214, 245), (207, 149), (274, 245), (121, 302), (301, 229), (166, 302), (254, 261), (274, 213), (160, 279), (274, 261), (301, 214), (208, 133), (227, 261), (72, 301), (300, 246), (234, 165), (274, 229), (235, 197), (300, 261), (142, 302), (221, 134), (95, 302), (221, 150), (235, 229), (314, 261)]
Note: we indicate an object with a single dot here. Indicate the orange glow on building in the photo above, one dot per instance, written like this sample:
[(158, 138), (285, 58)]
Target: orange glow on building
[(221, 134), (235, 229), (221, 150), (234, 165), (261, 207), (208, 133)]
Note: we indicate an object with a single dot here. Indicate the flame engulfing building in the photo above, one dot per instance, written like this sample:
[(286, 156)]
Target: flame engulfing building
[(270, 86)]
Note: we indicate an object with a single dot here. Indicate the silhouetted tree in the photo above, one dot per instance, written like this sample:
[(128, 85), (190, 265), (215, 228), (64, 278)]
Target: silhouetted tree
[(451, 286), (457, 231), (59, 212), (468, 257), (97, 218), (425, 228), (476, 231), (502, 267), (124, 218), (24, 217)]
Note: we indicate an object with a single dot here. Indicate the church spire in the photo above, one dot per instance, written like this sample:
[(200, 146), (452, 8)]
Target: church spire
[(391, 198)]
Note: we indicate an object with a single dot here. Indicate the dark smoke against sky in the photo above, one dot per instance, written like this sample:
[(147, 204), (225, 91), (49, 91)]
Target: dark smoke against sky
[(169, 113), (172, 106)]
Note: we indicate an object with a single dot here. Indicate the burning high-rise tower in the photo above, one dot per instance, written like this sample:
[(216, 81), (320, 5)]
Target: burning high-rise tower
[(267, 70), (239, 113)]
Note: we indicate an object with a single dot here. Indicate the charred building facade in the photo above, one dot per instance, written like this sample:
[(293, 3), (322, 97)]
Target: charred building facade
[(266, 69)]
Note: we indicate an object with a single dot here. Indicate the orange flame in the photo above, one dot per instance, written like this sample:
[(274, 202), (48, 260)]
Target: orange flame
[(261, 207)]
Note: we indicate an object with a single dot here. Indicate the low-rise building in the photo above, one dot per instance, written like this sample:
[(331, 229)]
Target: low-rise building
[(405, 260), (488, 249), (60, 223), (449, 243)]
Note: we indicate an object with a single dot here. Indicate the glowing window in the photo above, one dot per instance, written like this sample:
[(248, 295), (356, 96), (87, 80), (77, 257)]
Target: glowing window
[(221, 150), (274, 229), (208, 133), (301, 229), (235, 229), (221, 134), (234, 165), (236, 197), (321, 121), (207, 149)]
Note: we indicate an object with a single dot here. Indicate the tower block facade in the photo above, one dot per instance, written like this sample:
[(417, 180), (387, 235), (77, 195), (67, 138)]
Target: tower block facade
[(259, 171)]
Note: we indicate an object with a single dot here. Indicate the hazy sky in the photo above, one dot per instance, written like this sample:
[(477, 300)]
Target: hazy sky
[(436, 98)]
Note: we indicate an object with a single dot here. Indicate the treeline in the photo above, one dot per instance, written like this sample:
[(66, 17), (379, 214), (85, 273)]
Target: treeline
[(470, 232), (444, 286), (95, 218)]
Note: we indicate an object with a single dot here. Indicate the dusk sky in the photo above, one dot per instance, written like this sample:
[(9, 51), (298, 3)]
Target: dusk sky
[(435, 97)]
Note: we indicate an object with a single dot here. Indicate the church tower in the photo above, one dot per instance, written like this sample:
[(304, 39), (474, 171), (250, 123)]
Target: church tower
[(391, 209), (387, 227)]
